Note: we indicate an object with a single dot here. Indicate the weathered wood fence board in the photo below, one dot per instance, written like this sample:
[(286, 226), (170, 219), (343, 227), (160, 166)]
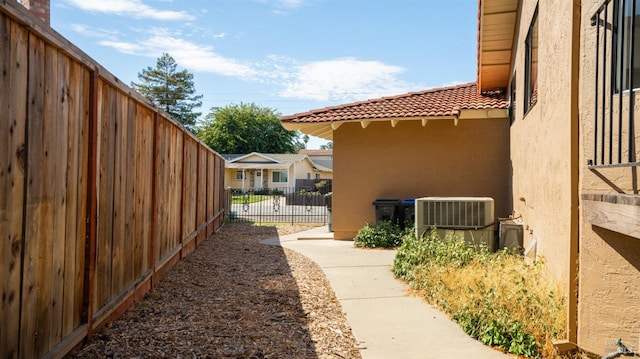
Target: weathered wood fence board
[(100, 192), (13, 85)]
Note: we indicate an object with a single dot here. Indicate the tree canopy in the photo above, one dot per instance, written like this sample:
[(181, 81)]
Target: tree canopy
[(171, 90), (247, 128)]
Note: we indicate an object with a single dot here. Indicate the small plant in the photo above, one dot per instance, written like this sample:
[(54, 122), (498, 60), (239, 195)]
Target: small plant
[(269, 192), (383, 234), (320, 184), (246, 198), (496, 298)]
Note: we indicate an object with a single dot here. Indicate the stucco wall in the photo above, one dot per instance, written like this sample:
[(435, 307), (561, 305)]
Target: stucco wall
[(544, 168), (609, 297), (297, 170), (303, 167), (440, 159), (231, 181)]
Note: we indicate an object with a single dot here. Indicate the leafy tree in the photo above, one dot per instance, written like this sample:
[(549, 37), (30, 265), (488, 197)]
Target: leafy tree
[(171, 90), (327, 146), (247, 128)]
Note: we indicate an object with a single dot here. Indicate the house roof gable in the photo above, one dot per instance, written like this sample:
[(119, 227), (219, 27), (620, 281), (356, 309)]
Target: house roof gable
[(440, 103), (271, 160), (254, 157)]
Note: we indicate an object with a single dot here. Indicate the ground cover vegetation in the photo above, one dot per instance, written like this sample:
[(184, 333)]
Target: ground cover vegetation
[(497, 298), (383, 234)]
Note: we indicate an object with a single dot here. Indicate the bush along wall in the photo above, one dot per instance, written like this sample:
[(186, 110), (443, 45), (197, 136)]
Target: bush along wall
[(497, 298), (384, 234)]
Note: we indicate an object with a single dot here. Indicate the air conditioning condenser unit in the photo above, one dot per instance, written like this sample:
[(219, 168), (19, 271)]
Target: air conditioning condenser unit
[(468, 217)]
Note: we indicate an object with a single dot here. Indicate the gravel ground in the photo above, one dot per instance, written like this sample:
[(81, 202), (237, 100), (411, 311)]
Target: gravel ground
[(233, 298)]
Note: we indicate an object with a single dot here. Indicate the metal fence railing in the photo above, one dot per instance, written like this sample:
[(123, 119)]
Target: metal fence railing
[(277, 205), (616, 82)]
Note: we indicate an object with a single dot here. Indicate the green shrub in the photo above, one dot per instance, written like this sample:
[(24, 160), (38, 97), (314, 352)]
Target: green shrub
[(383, 234), (496, 298)]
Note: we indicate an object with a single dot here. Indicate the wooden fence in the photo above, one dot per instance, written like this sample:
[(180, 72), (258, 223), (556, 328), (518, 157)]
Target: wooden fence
[(100, 193)]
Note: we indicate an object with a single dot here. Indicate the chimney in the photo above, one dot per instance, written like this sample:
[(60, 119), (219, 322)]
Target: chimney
[(40, 8)]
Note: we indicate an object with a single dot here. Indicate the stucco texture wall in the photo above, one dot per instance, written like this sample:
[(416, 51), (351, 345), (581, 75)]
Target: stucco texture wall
[(609, 296), (542, 140), (409, 161)]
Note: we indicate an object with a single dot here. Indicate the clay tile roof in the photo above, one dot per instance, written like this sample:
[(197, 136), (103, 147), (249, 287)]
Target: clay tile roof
[(445, 101)]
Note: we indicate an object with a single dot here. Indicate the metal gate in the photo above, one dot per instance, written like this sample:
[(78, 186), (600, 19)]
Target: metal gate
[(278, 205)]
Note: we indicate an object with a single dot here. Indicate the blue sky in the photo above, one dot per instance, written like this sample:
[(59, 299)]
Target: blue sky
[(288, 55)]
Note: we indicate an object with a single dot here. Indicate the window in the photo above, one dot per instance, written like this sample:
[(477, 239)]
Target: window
[(308, 175), (317, 176), (259, 174), (531, 64), (512, 99), (240, 175), (622, 44), (279, 177)]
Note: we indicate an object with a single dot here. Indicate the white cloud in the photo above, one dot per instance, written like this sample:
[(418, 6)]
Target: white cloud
[(290, 3), (345, 79), (342, 80), (95, 32), (124, 47), (195, 57), (133, 8), (282, 7)]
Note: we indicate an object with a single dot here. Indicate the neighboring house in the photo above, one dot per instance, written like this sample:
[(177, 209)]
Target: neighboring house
[(451, 141), (570, 149), (321, 157), (268, 170)]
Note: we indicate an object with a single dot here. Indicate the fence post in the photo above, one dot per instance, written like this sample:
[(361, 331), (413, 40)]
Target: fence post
[(181, 225), (154, 200), (92, 203)]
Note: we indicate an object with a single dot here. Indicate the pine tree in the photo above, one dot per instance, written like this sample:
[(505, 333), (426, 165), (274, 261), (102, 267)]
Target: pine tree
[(171, 90)]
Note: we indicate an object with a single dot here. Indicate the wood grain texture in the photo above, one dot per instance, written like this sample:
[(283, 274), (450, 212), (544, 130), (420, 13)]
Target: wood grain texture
[(36, 203), (84, 218), (13, 91), (617, 217), (189, 190), (201, 197)]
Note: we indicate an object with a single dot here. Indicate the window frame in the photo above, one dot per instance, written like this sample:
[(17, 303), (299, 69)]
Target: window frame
[(621, 57), (512, 99), (531, 64), (280, 173), (240, 175)]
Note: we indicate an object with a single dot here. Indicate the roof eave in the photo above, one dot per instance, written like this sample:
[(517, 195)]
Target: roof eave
[(325, 130), (496, 31)]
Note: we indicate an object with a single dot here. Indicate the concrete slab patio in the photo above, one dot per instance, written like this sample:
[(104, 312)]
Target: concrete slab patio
[(386, 321)]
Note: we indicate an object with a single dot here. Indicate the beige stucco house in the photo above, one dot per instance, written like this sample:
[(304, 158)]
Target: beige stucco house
[(269, 170), (562, 163), (574, 150), (452, 141)]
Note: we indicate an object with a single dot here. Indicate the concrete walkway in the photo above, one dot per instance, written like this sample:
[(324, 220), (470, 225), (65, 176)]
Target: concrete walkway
[(386, 321)]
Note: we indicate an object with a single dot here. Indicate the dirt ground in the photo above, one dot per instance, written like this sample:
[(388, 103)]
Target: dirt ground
[(233, 298)]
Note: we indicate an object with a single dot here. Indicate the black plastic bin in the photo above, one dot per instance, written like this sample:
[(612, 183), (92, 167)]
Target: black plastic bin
[(407, 212), (387, 210)]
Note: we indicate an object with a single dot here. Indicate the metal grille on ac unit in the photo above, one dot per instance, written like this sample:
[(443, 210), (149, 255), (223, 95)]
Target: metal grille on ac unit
[(457, 213)]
